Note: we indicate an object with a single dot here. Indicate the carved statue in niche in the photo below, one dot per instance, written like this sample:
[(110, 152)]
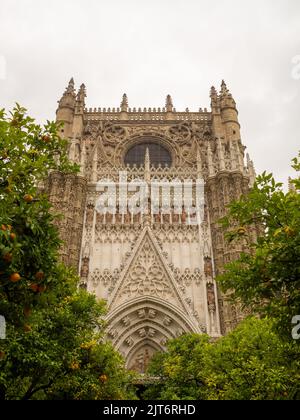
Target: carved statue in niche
[(157, 218), (86, 250), (211, 299), (208, 270), (85, 267), (90, 215), (183, 215), (175, 218), (127, 217)]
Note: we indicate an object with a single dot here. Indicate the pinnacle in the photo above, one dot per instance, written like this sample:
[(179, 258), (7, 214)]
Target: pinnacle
[(124, 103)]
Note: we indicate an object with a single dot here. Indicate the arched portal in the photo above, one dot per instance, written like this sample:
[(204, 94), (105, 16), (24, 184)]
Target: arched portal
[(143, 326)]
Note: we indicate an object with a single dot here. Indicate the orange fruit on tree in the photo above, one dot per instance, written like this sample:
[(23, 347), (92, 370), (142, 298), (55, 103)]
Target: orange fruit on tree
[(8, 257), (34, 287), (28, 198), (74, 366), (15, 277), (40, 275), (46, 138), (103, 378), (3, 227), (242, 231), (12, 236)]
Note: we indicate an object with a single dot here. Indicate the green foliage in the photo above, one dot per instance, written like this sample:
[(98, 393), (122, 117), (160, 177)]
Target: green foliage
[(179, 369), (267, 279), (251, 363), (54, 347)]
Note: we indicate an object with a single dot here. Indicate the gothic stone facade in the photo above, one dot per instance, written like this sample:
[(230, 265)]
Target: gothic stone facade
[(157, 273)]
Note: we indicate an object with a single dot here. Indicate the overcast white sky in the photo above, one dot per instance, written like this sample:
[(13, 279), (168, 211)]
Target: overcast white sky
[(151, 48)]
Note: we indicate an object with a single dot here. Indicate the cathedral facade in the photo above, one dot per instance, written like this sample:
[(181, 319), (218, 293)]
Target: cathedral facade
[(156, 269)]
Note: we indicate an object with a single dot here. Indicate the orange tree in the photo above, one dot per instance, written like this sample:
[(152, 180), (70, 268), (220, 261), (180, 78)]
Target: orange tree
[(267, 280), (54, 332), (250, 363)]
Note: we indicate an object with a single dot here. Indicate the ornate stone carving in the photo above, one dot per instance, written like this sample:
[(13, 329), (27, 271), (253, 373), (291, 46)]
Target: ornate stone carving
[(126, 321), (147, 276), (114, 133)]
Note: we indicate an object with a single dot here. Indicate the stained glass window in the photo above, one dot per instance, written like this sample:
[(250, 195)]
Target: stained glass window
[(158, 154)]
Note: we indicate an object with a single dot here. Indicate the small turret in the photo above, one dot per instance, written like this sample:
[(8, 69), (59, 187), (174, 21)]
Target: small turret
[(216, 113), (124, 107), (66, 109), (229, 113), (169, 104), (124, 103)]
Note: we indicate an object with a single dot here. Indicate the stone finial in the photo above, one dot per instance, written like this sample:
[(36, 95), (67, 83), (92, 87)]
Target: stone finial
[(224, 90), (213, 92), (68, 98), (169, 103), (70, 89), (81, 95), (124, 103)]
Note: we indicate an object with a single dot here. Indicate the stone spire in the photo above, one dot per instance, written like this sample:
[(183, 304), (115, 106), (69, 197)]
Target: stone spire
[(224, 91), (80, 100), (95, 165), (147, 165), (68, 95), (169, 104), (124, 103), (211, 171), (199, 164), (81, 95), (70, 89), (251, 170), (213, 92), (221, 155)]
